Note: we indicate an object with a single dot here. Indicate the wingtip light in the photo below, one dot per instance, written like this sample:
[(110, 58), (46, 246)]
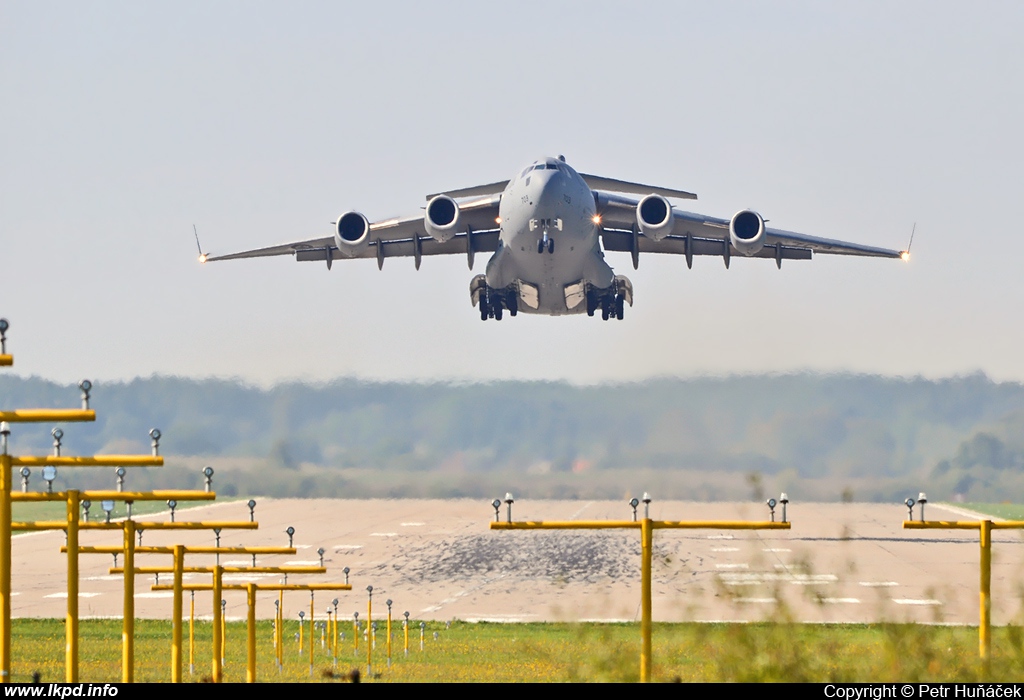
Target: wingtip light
[(202, 257), (905, 255)]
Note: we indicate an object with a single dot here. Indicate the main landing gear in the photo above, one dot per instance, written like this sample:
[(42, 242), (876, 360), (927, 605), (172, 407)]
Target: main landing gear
[(493, 303), (611, 302)]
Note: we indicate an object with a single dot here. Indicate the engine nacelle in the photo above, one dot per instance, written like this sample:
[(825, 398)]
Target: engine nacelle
[(746, 232), (441, 218), (351, 233), (654, 216)]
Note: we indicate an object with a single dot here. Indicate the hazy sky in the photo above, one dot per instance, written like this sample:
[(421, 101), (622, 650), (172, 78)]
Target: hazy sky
[(122, 124)]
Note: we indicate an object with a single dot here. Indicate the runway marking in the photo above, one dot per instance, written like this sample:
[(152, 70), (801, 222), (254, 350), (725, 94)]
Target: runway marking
[(412, 524), (347, 546), (582, 508), (756, 600), (877, 584), (836, 601), (725, 549), (751, 579), (721, 537), (505, 618), (64, 594), (916, 601), (245, 578), (607, 620), (158, 594), (303, 562), (732, 566), (107, 577), (432, 608), (777, 549), (383, 534), (237, 562)]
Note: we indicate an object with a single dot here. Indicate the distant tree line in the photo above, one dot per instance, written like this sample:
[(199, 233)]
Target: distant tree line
[(962, 437)]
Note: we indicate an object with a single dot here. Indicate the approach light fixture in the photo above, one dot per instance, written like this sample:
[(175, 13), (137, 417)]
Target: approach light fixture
[(291, 534), (634, 504), (154, 435), (4, 325), (508, 502), (86, 505), (25, 473), (172, 504), (58, 435), (108, 508), (647, 505), (496, 504), (784, 500), (345, 571), (921, 500), (5, 432), (771, 506), (208, 473), (85, 386), (909, 503), (252, 510), (120, 479), (49, 474), (321, 553)]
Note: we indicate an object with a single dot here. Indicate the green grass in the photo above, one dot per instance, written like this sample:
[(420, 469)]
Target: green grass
[(57, 510), (1009, 511), (553, 652)]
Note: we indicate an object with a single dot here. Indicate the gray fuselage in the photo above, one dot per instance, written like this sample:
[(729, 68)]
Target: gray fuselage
[(548, 207)]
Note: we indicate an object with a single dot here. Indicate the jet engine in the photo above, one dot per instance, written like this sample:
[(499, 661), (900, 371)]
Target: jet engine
[(351, 233), (746, 232), (441, 219), (654, 216)]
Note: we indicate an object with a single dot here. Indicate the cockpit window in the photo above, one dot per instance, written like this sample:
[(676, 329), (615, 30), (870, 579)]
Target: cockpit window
[(551, 166)]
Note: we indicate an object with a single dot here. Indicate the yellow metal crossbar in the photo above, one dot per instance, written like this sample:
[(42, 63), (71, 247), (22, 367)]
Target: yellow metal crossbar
[(48, 415), (166, 495), (6, 360), (97, 461)]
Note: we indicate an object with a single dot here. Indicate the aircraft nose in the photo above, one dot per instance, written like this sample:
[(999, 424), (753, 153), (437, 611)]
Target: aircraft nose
[(547, 186)]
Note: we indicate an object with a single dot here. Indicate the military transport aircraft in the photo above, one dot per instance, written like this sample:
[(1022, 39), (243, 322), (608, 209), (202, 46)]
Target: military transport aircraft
[(547, 229)]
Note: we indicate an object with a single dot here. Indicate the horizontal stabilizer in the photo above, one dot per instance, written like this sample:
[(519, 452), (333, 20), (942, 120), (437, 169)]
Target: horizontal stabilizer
[(492, 188), (596, 182)]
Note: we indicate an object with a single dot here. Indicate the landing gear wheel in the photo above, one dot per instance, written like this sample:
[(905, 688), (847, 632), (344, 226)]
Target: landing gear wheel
[(591, 303), (497, 312), (483, 309), (512, 302), (620, 306), (551, 246), (540, 246), (604, 312)]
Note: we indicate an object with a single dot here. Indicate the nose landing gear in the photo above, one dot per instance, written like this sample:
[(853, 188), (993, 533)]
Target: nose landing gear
[(546, 242)]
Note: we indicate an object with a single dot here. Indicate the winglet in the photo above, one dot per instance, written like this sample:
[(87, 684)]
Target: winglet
[(905, 254), (202, 256)]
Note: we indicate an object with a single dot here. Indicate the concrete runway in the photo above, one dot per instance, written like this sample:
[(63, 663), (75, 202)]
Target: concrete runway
[(438, 560)]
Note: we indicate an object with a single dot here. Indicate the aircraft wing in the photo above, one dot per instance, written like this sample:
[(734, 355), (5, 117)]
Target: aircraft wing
[(398, 237), (697, 234)]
